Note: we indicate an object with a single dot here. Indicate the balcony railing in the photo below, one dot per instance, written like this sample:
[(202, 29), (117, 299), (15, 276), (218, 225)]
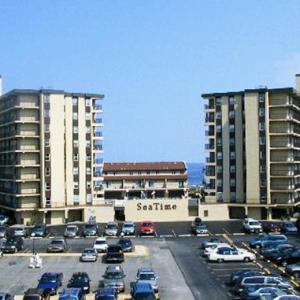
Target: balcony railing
[(98, 147), (98, 161), (98, 121), (209, 146), (97, 107)]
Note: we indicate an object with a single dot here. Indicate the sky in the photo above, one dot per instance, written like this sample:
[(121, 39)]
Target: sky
[(152, 60)]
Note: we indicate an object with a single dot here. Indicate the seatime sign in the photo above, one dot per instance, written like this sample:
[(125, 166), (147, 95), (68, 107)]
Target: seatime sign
[(155, 206)]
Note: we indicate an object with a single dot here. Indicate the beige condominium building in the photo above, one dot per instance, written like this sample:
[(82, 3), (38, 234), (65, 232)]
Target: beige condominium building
[(51, 156), (253, 146)]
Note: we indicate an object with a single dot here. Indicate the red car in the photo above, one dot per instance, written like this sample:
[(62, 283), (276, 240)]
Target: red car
[(147, 228), (269, 227)]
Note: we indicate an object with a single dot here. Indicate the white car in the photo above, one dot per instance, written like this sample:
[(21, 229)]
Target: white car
[(222, 254), (100, 244), (211, 248), (252, 226)]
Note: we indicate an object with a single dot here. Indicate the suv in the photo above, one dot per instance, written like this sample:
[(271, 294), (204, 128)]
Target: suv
[(128, 228), (13, 245), (50, 282), (35, 294), (106, 294), (268, 239), (147, 275), (57, 245), (39, 231), (114, 253), (114, 278), (90, 230), (140, 291), (147, 228), (80, 280), (252, 226), (71, 294)]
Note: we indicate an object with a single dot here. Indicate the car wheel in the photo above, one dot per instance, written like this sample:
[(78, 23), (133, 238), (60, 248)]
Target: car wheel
[(220, 260), (246, 259), (296, 274)]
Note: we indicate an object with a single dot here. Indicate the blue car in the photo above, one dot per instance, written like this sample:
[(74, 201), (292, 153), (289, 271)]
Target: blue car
[(71, 294), (289, 228), (268, 239), (107, 294), (140, 291), (50, 282)]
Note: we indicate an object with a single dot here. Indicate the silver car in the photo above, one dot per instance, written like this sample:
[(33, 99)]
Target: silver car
[(20, 231), (111, 229), (71, 231), (89, 255), (147, 275), (57, 245), (114, 278), (128, 228)]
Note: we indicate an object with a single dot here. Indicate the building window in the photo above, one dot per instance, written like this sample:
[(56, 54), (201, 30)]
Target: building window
[(218, 100), (46, 98), (218, 116), (219, 155), (181, 184), (219, 182), (205, 213), (76, 185), (88, 198), (232, 100), (47, 113), (87, 116), (88, 184), (219, 142), (47, 128), (75, 171), (232, 182), (232, 155), (263, 183), (88, 158), (262, 155), (88, 144), (47, 171), (47, 143), (261, 98), (262, 126), (219, 128), (151, 183), (87, 102), (47, 156), (75, 101), (75, 116), (231, 115), (88, 171), (75, 143), (232, 169), (261, 112), (232, 196), (219, 169), (263, 168), (232, 141), (75, 157), (262, 140), (48, 186), (75, 129), (231, 128), (88, 129), (76, 198)]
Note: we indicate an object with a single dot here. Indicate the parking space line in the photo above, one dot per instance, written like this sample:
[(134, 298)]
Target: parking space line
[(185, 235), (166, 235)]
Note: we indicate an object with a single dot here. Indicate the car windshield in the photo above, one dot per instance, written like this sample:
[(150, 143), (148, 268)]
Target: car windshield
[(111, 226), (254, 223), (201, 226), (89, 251), (113, 275), (144, 296), (79, 279), (19, 229), (147, 276), (147, 224), (124, 242), (48, 278), (71, 228), (57, 242), (100, 242), (289, 225), (115, 249), (10, 242), (127, 225), (33, 297)]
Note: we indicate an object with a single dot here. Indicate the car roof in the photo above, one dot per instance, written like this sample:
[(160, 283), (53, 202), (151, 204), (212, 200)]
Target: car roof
[(80, 274), (106, 291), (101, 239), (143, 286), (34, 291), (70, 292), (114, 268), (50, 274), (145, 270)]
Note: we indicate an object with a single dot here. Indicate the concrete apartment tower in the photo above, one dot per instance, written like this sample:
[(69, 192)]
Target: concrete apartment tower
[(50, 155), (253, 161)]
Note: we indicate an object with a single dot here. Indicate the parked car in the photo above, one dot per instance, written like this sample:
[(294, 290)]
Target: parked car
[(71, 294), (276, 247), (293, 269), (147, 275), (20, 231), (13, 245), (106, 294), (35, 294), (71, 231), (288, 228), (236, 277), (90, 230), (114, 278), (3, 232), (3, 220), (89, 255), (288, 257), (80, 280), (222, 254), (100, 244), (269, 238), (196, 223), (147, 228), (128, 228), (212, 248), (6, 296), (211, 242), (140, 291), (39, 231), (276, 253), (258, 292), (285, 297), (126, 244), (263, 281), (58, 245), (111, 229), (252, 226), (271, 227), (114, 253), (50, 282), (199, 229)]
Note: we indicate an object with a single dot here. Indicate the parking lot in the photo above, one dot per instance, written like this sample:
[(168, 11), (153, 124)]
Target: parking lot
[(173, 253)]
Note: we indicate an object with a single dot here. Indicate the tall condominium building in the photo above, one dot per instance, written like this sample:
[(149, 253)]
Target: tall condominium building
[(253, 146), (50, 155)]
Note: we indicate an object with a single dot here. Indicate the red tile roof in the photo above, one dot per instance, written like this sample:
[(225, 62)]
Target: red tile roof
[(144, 166)]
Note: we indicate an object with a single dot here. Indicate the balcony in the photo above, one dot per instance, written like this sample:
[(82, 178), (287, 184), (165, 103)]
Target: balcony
[(98, 148), (209, 146), (98, 161), (97, 107), (210, 159)]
